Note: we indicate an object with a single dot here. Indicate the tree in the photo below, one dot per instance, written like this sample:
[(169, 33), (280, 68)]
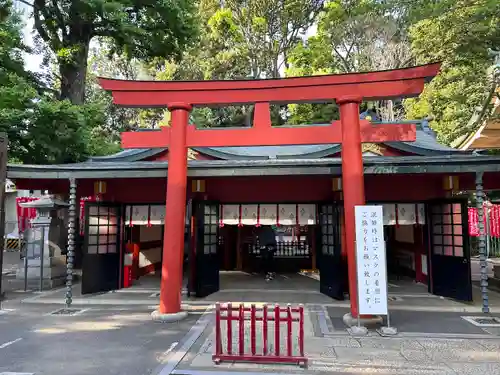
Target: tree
[(459, 34), (240, 40), (138, 28), (106, 63), (352, 36), (40, 128), (265, 30)]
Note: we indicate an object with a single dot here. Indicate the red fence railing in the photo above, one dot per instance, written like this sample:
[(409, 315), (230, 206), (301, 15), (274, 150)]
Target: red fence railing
[(254, 322)]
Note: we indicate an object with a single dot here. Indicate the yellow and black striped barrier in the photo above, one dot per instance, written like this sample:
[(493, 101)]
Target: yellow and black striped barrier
[(12, 243)]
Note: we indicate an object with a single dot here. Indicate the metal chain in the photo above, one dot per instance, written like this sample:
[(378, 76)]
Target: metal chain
[(482, 241), (71, 241)]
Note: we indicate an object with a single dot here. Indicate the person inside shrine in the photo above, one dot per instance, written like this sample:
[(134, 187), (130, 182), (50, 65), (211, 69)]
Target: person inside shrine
[(266, 237)]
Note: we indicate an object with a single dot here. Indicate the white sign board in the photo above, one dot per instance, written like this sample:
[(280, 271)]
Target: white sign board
[(371, 260)]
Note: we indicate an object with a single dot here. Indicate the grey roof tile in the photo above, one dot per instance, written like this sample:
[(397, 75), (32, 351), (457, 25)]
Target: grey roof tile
[(425, 144)]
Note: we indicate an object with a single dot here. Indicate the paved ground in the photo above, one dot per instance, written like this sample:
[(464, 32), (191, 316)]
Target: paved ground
[(99, 341), (476, 269), (240, 287), (116, 335), (332, 350), (124, 340)]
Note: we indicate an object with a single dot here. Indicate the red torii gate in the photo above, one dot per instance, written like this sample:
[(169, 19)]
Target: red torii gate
[(348, 90)]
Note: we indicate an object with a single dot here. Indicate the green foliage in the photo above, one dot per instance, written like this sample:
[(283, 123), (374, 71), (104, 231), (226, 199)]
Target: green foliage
[(458, 33), (351, 36), (140, 29), (40, 128), (239, 40), (242, 40)]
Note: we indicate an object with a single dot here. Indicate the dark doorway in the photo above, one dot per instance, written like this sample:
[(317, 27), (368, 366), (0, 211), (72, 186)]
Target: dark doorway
[(228, 244), (101, 255), (331, 268), (449, 249), (207, 263)]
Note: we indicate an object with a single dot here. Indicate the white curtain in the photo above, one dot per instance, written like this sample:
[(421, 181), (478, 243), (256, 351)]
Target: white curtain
[(140, 215), (230, 214), (268, 214), (421, 213), (389, 214), (157, 215), (307, 214), (406, 214), (249, 214), (287, 214)]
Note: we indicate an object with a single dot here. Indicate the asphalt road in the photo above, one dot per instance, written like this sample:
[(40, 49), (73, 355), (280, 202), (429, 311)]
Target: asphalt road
[(99, 341)]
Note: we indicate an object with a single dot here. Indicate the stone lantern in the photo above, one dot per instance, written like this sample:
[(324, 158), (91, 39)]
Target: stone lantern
[(45, 243)]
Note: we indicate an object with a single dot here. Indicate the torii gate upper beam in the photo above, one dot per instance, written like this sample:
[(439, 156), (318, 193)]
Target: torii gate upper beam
[(398, 83)]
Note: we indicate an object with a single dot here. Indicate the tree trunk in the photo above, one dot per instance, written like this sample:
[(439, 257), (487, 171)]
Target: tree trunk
[(73, 72)]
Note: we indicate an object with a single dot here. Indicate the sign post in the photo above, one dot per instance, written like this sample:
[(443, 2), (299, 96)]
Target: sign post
[(371, 264)]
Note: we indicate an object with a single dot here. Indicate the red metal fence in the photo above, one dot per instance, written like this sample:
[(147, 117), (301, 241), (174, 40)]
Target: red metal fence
[(261, 320)]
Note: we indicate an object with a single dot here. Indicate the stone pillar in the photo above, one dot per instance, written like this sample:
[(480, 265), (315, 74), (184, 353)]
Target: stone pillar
[(71, 241), (353, 185), (173, 241), (46, 264), (482, 241)]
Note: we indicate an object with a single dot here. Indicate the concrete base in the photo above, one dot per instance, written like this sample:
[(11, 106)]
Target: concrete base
[(387, 331), (365, 322), (358, 331), (53, 272), (168, 318)]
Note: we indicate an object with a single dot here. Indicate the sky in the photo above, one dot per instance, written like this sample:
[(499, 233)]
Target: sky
[(32, 61)]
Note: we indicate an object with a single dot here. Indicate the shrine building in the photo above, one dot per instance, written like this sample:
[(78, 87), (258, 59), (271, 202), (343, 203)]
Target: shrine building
[(185, 200)]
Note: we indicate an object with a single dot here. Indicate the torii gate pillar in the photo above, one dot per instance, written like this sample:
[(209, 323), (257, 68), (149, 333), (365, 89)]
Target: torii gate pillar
[(353, 185), (173, 239)]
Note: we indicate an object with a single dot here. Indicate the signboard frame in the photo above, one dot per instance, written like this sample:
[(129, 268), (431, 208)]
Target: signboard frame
[(371, 261)]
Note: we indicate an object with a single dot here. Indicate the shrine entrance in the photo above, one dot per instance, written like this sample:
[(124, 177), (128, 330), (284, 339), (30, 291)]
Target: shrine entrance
[(225, 244), (347, 90), (449, 249), (101, 259)]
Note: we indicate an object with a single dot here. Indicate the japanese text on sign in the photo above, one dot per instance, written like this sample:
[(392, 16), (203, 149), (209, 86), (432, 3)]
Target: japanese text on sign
[(371, 260)]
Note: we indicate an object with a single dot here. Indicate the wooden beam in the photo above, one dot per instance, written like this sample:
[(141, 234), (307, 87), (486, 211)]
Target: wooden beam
[(262, 134), (210, 86), (324, 93)]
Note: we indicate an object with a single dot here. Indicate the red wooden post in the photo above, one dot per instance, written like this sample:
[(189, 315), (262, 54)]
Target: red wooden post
[(173, 240), (301, 330), (253, 317), (264, 330), (218, 343), (353, 184), (289, 323), (241, 337), (277, 330), (229, 328)]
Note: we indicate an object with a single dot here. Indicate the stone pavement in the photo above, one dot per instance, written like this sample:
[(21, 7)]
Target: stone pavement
[(434, 337), (332, 350), (283, 290), (10, 262), (97, 340)]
